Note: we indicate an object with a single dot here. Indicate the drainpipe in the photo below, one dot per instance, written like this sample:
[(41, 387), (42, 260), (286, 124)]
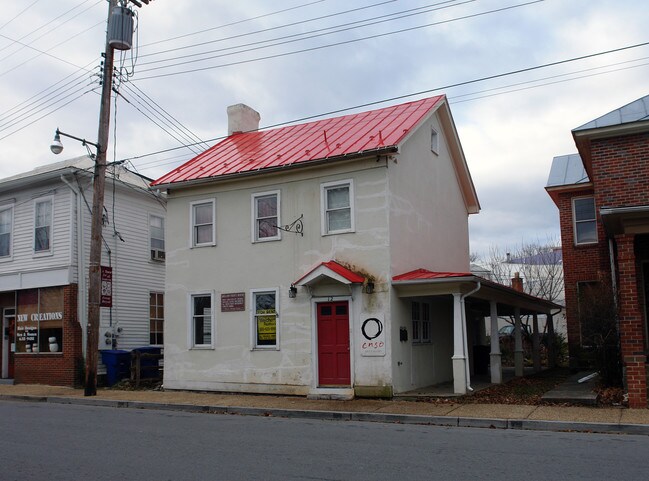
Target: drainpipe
[(81, 268), (611, 259), (464, 336)]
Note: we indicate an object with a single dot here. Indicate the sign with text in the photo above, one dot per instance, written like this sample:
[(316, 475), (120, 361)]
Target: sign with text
[(232, 302), (106, 299), (372, 338)]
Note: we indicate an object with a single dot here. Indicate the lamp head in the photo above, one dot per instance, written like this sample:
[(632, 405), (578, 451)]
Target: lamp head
[(56, 146)]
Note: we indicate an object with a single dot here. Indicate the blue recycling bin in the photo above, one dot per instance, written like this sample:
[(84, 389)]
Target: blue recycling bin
[(149, 365), (118, 365)]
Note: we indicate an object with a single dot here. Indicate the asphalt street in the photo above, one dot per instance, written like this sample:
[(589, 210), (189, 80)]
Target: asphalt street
[(43, 441)]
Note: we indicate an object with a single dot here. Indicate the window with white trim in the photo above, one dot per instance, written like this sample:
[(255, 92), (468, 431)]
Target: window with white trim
[(264, 319), (420, 316), (156, 318), (203, 224), (6, 230), (157, 237), (337, 207), (584, 218), (265, 215), (202, 320), (43, 225)]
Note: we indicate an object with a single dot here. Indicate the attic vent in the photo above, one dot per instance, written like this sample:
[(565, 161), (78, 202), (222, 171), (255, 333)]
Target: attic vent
[(434, 141)]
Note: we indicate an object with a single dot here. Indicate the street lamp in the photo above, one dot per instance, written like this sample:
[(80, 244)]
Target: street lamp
[(57, 147)]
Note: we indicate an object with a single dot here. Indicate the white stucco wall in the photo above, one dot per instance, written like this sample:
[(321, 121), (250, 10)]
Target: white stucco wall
[(236, 264)]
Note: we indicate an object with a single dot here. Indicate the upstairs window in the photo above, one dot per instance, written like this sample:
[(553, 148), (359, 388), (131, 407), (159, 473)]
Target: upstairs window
[(157, 237), (203, 229), (585, 225), (265, 208), (6, 229), (338, 208), (43, 225)]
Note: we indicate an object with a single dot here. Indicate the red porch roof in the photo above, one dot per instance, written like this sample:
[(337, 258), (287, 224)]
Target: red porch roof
[(333, 138), (423, 274), (347, 274)]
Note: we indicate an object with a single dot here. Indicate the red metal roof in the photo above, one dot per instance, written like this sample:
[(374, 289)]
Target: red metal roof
[(423, 274), (320, 140), (339, 269)]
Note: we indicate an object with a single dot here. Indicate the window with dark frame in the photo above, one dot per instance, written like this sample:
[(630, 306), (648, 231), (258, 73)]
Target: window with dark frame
[(585, 223), (421, 326), (156, 318)]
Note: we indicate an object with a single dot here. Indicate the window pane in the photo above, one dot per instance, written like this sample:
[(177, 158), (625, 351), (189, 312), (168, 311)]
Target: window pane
[(5, 243), (584, 209), (586, 232), (267, 206), (325, 310), (266, 319), (43, 213), (415, 310), (341, 310), (5, 221), (267, 228), (338, 197), (203, 234), (42, 239), (157, 232), (203, 214), (339, 220)]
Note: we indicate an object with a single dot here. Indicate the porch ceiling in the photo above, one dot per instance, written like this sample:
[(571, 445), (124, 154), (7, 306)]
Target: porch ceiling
[(626, 220)]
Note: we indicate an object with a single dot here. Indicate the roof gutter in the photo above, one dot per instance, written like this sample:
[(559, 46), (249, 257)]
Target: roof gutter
[(282, 168)]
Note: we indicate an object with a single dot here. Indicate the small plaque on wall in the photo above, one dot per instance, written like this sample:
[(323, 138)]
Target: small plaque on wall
[(233, 301)]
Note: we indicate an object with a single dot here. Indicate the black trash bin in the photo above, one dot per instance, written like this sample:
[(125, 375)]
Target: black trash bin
[(481, 359), (149, 364), (118, 365)]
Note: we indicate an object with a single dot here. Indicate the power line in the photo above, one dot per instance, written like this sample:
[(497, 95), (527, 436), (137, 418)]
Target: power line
[(301, 22), (19, 14), (415, 94), (238, 22), (320, 47), (311, 34)]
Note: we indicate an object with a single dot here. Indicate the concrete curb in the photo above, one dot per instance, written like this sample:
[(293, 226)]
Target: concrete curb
[(443, 421)]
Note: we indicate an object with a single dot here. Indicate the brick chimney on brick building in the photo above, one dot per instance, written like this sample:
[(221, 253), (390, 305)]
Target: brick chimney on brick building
[(242, 118), (517, 282)]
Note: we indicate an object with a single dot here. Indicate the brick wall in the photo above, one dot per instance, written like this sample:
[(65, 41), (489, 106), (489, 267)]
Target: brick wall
[(56, 369)]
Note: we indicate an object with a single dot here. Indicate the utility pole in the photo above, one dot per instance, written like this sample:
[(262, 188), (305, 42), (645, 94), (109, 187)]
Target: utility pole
[(96, 227)]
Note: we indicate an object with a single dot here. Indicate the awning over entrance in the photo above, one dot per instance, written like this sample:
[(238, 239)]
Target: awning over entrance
[(626, 220), (332, 270), (486, 299)]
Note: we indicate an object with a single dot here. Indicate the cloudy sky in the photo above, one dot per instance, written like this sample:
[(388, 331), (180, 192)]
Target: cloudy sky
[(292, 59)]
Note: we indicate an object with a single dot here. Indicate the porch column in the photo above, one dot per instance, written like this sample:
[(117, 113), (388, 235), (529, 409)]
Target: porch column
[(536, 344), (631, 327), (495, 356), (552, 353), (518, 343), (459, 358)]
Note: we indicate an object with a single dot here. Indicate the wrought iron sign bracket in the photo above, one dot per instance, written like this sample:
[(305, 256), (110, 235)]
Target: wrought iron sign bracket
[(297, 226)]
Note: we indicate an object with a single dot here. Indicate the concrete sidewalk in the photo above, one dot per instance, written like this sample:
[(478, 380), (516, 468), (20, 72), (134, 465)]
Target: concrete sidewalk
[(550, 418)]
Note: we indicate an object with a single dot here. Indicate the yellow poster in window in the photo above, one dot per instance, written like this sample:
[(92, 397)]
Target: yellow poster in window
[(266, 329)]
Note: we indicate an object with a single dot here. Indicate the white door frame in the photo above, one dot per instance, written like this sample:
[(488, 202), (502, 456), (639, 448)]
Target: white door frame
[(5, 341)]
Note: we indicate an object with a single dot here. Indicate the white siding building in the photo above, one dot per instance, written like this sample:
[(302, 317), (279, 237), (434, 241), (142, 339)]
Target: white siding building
[(45, 218)]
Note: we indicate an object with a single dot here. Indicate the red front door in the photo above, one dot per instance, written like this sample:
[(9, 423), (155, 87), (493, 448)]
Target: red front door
[(333, 344)]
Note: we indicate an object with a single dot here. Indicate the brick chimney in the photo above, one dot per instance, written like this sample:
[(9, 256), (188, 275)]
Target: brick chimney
[(517, 282), (242, 118)]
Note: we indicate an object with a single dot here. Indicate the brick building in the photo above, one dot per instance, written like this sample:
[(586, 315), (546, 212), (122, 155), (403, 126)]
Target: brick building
[(603, 198)]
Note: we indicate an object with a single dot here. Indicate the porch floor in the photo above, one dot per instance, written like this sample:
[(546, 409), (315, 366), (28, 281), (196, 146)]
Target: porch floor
[(445, 390)]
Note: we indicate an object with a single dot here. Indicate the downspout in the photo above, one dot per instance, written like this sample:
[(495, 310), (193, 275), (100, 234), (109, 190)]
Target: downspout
[(81, 268), (467, 370)]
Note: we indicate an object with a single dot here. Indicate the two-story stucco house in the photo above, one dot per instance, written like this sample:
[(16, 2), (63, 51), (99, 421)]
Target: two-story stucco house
[(45, 217), (602, 193), (328, 258)]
